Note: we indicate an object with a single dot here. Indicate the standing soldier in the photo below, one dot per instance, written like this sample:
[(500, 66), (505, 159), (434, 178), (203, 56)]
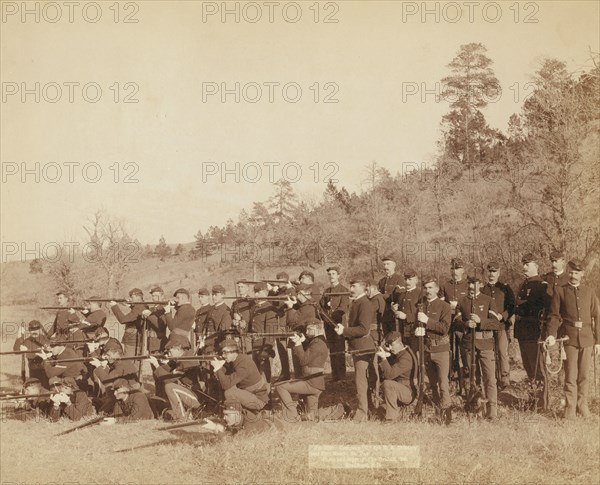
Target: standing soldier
[(404, 304), (218, 319), (202, 314), (64, 318), (336, 307), (473, 313), (387, 285), (503, 306), (452, 291), (156, 323), (576, 306), (555, 278), (34, 342), (180, 323), (133, 321), (358, 333), (378, 302), (436, 317), (529, 308), (94, 318)]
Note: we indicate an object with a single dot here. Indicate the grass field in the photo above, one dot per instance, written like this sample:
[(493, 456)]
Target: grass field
[(522, 447)]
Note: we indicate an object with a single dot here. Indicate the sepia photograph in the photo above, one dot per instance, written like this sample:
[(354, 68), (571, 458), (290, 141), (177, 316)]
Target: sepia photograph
[(349, 242)]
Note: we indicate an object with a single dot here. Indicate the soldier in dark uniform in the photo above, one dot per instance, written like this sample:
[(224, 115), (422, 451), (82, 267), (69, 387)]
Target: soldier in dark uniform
[(133, 322), (503, 300), (360, 321), (34, 341), (38, 404), (555, 278), (70, 402), (397, 368), (452, 291), (200, 328), (94, 318), (336, 307), (575, 313), (218, 319), (378, 302), (131, 404), (436, 316), (64, 318), (473, 313), (156, 322), (387, 285), (404, 305), (180, 323), (528, 310)]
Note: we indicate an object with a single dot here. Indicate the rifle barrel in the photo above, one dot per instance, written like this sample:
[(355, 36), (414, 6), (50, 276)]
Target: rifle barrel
[(280, 298), (62, 308), (24, 396), (271, 334), (299, 379), (182, 425), (129, 302), (20, 352), (354, 352), (84, 425)]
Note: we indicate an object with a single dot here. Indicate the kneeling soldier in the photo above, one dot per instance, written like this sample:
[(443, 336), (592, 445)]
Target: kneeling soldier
[(240, 379), (131, 404), (397, 366)]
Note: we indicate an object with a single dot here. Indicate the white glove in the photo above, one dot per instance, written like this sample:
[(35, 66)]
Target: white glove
[(297, 339), (422, 317), (453, 304), (23, 347), (550, 341), (420, 332), (236, 317), (71, 311), (168, 308), (98, 363), (59, 398), (92, 346), (401, 315), (382, 353), (153, 361), (289, 302), (112, 303), (217, 364), (108, 421), (44, 355), (471, 324), (339, 329), (201, 342), (146, 313), (243, 324)]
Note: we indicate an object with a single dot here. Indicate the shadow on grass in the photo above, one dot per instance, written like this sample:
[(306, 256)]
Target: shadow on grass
[(179, 437)]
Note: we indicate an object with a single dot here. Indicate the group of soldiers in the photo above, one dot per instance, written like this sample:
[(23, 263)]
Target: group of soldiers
[(240, 362)]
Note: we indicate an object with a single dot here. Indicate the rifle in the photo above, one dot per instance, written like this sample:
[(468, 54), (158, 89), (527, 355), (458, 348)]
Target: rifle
[(91, 422), (270, 334), (24, 396), (128, 302), (274, 298), (66, 342), (23, 369), (340, 293), (183, 425), (21, 352), (299, 379), (62, 308), (474, 394), (377, 397), (354, 352), (89, 359), (419, 405), (144, 344)]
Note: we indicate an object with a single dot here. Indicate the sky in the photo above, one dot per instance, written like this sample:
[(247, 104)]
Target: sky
[(180, 155)]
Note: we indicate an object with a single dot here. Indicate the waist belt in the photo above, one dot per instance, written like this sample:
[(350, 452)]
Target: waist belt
[(261, 385), (483, 334), (181, 331)]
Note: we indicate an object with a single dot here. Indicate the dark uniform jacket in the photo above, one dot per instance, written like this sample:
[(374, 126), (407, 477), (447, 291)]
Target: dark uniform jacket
[(554, 281), (529, 305), (242, 372), (181, 324), (265, 317), (503, 299), (312, 359), (134, 408), (573, 304), (336, 306), (438, 325), (124, 369), (398, 367), (454, 290), (62, 322), (243, 307), (64, 369), (407, 302), (79, 407), (484, 332), (133, 322), (157, 324), (362, 316), (96, 319), (187, 373), (34, 344), (387, 285), (299, 315)]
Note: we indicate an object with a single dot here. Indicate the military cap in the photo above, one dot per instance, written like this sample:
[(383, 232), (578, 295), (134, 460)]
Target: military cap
[(54, 381), (183, 291), (410, 273), (457, 263), (473, 279), (101, 332), (429, 279), (334, 268), (307, 273), (229, 344), (358, 279), (34, 325), (576, 264), (122, 385), (241, 282), (260, 287), (554, 255), (203, 291), (112, 345), (528, 258), (218, 289), (31, 382), (177, 341), (156, 289), (304, 287), (493, 266), (392, 337), (282, 275), (69, 382), (388, 258), (93, 298), (135, 291), (62, 292)]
